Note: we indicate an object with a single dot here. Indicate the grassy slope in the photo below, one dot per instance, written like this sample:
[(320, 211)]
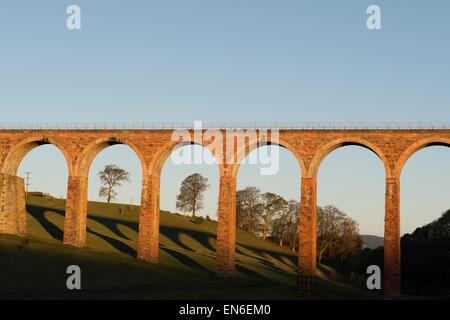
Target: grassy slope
[(34, 267)]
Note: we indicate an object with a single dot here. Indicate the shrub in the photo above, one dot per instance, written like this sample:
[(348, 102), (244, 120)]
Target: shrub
[(36, 194), (197, 220)]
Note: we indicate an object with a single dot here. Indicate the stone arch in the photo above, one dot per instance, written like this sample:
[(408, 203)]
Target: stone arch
[(88, 154), (323, 152), (255, 144), (20, 150), (435, 141), (164, 152), (76, 204), (150, 203)]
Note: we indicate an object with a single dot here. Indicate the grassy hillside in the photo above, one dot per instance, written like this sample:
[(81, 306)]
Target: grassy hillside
[(35, 266)]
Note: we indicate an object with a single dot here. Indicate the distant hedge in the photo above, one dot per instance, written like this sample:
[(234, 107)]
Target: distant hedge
[(36, 194)]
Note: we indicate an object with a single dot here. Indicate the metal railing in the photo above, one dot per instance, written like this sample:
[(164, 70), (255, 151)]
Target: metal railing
[(233, 126)]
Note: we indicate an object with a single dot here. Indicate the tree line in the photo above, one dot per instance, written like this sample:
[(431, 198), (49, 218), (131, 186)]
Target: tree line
[(271, 217), (426, 258)]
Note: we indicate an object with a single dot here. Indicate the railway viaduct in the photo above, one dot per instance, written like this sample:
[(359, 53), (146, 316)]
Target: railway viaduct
[(310, 145)]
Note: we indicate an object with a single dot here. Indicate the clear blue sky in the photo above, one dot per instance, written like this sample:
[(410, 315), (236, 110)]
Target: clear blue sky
[(164, 61)]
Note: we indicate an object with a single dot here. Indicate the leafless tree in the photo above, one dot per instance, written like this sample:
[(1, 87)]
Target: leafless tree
[(191, 193), (294, 227), (273, 205), (111, 177), (249, 208), (285, 227)]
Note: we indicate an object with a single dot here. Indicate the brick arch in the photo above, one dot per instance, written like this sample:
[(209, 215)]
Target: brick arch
[(20, 150), (435, 141), (148, 235), (88, 154), (323, 152), (255, 144), (76, 203), (164, 152)]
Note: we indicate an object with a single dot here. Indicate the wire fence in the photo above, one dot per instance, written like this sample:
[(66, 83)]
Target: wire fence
[(231, 126)]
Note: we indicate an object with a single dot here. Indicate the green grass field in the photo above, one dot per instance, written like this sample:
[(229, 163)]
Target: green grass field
[(34, 267)]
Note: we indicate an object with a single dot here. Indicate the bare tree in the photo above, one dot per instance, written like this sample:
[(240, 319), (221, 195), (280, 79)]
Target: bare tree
[(191, 193), (280, 226), (249, 208), (294, 226), (285, 227), (111, 177), (273, 205)]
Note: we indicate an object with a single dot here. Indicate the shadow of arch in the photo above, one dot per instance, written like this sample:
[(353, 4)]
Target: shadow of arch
[(112, 224), (117, 244), (39, 214), (258, 253), (264, 256), (323, 152), (173, 233), (185, 260), (435, 141)]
